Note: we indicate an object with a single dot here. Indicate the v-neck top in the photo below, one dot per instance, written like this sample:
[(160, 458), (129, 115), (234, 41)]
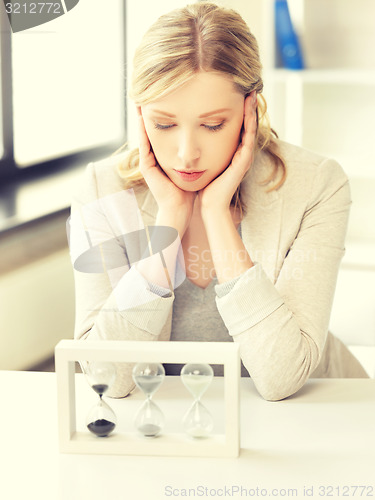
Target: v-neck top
[(189, 303)]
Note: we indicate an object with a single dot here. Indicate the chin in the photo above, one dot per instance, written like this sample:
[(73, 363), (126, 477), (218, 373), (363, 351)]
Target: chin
[(191, 187)]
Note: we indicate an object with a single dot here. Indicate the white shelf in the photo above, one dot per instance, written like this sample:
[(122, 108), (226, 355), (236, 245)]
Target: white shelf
[(329, 107)]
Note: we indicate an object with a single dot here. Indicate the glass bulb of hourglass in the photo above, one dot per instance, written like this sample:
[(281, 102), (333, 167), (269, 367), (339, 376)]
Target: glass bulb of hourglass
[(197, 422), (101, 419), (100, 375), (149, 419)]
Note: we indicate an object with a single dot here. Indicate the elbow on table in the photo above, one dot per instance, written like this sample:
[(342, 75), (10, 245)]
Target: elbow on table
[(275, 396), (271, 392)]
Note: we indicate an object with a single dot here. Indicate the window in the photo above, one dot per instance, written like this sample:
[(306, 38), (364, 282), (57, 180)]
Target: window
[(1, 107), (63, 87)]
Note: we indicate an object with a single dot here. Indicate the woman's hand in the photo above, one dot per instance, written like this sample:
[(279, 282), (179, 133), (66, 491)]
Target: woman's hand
[(169, 197), (217, 195)]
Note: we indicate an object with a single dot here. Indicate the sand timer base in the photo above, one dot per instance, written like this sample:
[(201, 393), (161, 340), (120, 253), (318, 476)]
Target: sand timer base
[(123, 441)]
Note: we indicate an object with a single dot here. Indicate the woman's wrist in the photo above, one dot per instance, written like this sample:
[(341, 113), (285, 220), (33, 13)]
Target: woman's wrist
[(164, 247), (213, 214), (176, 219), (230, 257)]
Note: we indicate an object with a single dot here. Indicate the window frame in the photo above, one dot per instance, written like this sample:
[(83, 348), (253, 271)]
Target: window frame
[(10, 172)]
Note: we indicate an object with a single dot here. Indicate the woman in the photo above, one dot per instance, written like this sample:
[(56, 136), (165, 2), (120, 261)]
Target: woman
[(260, 224)]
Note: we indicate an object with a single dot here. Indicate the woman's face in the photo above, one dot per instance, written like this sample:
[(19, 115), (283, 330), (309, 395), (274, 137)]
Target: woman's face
[(195, 131)]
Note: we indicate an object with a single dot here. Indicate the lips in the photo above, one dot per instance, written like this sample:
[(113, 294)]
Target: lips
[(190, 176)]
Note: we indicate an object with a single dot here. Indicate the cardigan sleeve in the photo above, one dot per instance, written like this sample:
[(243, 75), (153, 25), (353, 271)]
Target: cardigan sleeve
[(282, 327), (113, 300)]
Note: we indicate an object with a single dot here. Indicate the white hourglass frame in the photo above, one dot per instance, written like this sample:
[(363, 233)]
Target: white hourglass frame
[(67, 352)]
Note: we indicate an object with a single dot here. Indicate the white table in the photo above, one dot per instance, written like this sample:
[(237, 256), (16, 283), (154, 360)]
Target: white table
[(322, 437)]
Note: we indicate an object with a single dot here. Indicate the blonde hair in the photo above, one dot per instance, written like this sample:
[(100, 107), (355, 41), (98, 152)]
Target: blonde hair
[(200, 37)]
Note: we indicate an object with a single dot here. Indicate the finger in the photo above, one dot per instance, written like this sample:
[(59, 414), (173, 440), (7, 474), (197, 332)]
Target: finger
[(248, 114), (250, 121), (250, 104), (250, 111), (244, 155), (147, 160)]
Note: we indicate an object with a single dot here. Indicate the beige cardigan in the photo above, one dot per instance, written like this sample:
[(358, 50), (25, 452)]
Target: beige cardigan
[(278, 310)]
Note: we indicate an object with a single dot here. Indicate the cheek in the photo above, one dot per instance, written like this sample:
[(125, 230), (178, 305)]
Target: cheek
[(160, 144), (150, 130), (225, 147)]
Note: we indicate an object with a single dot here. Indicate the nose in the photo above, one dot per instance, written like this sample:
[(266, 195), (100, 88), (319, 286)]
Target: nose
[(188, 148)]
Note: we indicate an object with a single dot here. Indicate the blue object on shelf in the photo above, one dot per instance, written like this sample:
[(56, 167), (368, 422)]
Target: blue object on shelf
[(286, 37)]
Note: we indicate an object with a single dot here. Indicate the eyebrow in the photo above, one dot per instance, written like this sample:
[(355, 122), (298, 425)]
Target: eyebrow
[(217, 111), (204, 115)]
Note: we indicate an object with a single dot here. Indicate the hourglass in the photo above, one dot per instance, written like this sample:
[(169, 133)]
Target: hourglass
[(149, 419), (101, 419), (197, 422)]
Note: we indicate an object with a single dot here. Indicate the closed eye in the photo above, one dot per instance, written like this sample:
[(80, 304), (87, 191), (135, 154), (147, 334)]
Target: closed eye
[(214, 128), (159, 126)]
